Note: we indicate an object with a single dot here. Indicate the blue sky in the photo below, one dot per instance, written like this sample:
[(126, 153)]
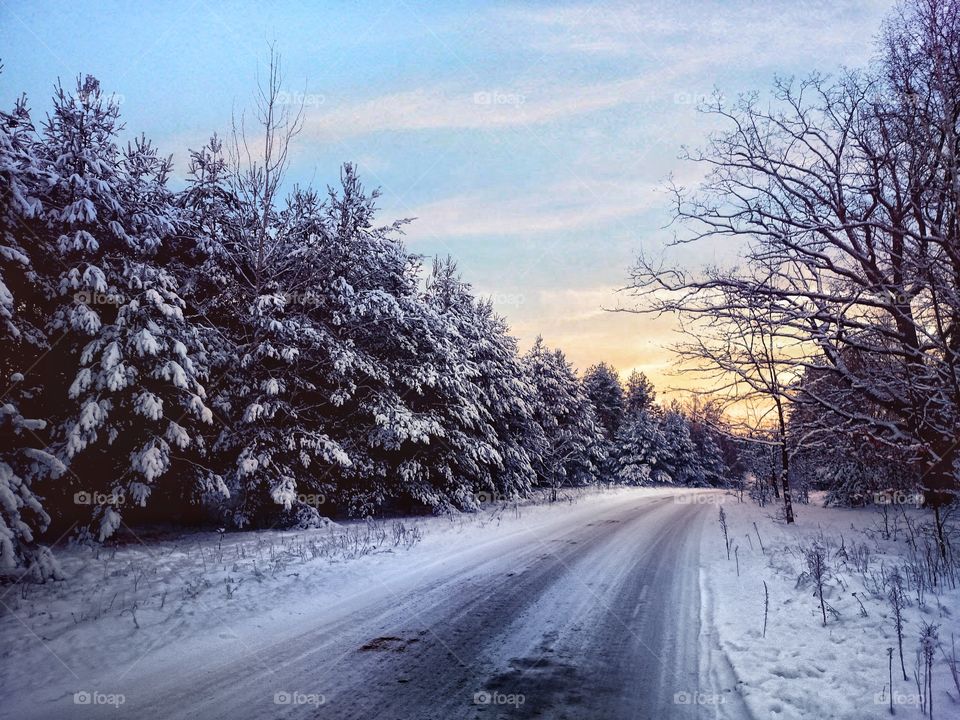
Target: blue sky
[(532, 141)]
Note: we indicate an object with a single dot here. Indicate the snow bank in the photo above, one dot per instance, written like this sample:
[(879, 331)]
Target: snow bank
[(801, 668)]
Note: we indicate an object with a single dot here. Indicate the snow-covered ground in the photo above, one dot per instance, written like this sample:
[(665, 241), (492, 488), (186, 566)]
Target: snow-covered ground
[(803, 669), (620, 604)]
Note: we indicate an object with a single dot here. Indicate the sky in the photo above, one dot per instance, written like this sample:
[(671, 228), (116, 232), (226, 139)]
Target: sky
[(532, 142)]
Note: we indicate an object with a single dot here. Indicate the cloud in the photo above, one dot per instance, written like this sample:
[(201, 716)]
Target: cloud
[(563, 207), (480, 106), (665, 49), (720, 32)]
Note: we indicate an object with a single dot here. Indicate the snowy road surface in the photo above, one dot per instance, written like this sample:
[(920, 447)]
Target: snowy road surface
[(589, 611)]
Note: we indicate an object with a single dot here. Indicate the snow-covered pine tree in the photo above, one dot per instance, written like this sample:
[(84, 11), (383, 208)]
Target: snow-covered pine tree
[(123, 383), (467, 458), (336, 376), (606, 393), (574, 441), (388, 368), (710, 468), (640, 394), (679, 463), (345, 372), (256, 290), (24, 462), (494, 398), (510, 398), (640, 446)]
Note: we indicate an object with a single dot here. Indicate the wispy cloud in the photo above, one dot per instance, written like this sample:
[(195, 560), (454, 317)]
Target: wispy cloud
[(668, 47), (563, 207), (722, 31), (472, 106)]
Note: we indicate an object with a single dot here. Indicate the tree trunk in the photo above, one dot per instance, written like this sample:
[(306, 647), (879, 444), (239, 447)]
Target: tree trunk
[(773, 474), (787, 499), (941, 540), (785, 467), (939, 484)]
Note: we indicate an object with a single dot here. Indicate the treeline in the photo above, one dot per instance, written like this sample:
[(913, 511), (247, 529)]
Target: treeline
[(220, 353)]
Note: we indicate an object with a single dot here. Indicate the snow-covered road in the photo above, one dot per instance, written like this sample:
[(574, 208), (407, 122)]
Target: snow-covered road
[(590, 611)]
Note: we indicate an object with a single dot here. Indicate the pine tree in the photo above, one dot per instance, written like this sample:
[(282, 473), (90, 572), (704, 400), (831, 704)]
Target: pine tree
[(124, 384), (640, 394), (709, 464), (24, 462), (679, 460), (574, 452), (511, 397), (495, 404), (606, 393), (256, 288), (640, 447), (399, 350)]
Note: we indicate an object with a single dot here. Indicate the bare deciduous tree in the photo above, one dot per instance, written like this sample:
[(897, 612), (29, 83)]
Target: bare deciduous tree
[(844, 193)]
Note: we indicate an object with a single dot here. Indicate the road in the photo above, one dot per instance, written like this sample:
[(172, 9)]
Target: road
[(596, 614)]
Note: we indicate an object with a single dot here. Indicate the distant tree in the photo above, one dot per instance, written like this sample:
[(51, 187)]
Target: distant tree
[(709, 467), (640, 451), (739, 343), (640, 394), (573, 452), (678, 463), (606, 393), (719, 446)]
